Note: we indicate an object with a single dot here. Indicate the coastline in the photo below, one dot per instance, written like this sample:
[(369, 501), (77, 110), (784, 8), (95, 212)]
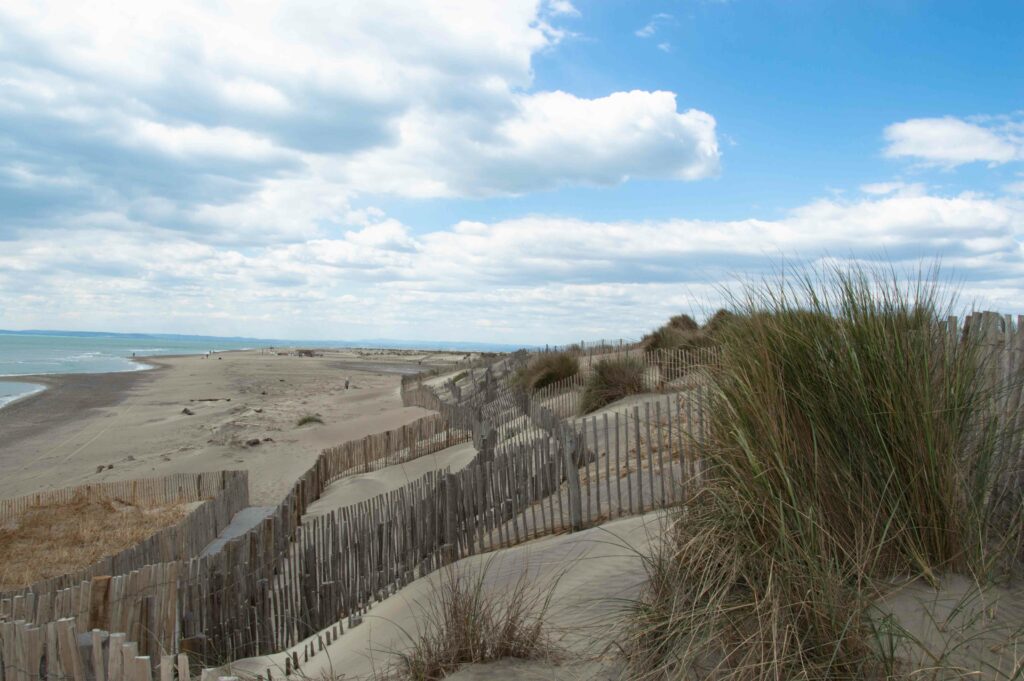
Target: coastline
[(11, 398), (49, 381), (237, 410), (64, 397)]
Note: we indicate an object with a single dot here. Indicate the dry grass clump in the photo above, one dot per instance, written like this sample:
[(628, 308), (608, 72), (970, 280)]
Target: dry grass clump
[(464, 622), (309, 418), (49, 541), (548, 368), (612, 379), (851, 441)]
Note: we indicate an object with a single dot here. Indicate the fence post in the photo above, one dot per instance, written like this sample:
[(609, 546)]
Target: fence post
[(569, 443)]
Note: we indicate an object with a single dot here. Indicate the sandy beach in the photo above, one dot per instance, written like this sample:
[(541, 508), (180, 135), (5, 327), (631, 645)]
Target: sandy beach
[(134, 424)]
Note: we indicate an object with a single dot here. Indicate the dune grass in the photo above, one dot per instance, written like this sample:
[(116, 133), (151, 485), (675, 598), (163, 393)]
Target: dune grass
[(611, 380), (52, 540), (852, 440), (465, 622), (307, 419), (547, 368)]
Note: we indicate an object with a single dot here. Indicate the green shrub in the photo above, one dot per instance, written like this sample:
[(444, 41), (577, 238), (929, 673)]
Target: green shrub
[(679, 333), (717, 322), (548, 368), (672, 338), (612, 379), (850, 442), (683, 322)]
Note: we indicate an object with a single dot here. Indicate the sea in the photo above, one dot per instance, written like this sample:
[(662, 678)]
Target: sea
[(24, 353)]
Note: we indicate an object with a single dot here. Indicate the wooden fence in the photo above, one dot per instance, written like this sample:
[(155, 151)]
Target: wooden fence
[(243, 600), (273, 588), (57, 652), (421, 437), (225, 493), (179, 488)]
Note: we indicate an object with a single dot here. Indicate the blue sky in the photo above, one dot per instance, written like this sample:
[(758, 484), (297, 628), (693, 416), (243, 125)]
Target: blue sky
[(507, 171)]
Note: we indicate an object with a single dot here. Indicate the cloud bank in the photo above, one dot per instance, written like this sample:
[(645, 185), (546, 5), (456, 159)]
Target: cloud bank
[(196, 167), (534, 279)]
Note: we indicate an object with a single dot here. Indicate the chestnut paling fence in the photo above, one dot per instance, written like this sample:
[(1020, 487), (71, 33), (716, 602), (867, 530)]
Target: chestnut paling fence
[(293, 586)]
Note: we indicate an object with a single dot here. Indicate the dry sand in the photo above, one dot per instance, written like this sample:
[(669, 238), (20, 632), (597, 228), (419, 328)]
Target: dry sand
[(353, 489), (591, 573), (135, 423), (965, 629)]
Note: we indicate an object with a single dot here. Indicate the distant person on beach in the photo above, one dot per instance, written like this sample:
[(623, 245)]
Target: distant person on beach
[(347, 382)]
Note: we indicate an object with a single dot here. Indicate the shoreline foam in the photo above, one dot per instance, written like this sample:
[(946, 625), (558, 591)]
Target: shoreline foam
[(31, 389)]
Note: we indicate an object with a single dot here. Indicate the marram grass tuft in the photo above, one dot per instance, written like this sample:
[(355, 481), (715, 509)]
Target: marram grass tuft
[(852, 440)]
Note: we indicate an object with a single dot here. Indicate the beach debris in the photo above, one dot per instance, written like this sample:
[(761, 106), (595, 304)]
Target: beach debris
[(253, 442), (211, 399), (109, 466), (129, 458), (268, 439), (187, 412), (100, 468), (263, 393)]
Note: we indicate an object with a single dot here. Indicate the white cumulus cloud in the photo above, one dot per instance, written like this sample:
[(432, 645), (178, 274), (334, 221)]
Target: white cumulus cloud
[(230, 107), (950, 141), (543, 141)]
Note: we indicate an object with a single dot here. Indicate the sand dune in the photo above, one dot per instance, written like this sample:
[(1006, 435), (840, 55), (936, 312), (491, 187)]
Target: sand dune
[(590, 572), (353, 489)]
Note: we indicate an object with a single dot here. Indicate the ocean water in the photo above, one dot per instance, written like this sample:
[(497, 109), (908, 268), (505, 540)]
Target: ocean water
[(14, 390), (24, 354)]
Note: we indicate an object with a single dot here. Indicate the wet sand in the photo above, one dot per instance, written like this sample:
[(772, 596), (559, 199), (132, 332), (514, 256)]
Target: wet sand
[(67, 398)]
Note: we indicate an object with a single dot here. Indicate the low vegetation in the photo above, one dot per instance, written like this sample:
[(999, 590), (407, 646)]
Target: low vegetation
[(52, 540), (309, 418), (852, 441), (611, 380), (464, 622), (716, 323), (548, 368), (683, 333)]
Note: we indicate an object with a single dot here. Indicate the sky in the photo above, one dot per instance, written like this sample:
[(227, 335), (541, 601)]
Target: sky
[(534, 171)]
